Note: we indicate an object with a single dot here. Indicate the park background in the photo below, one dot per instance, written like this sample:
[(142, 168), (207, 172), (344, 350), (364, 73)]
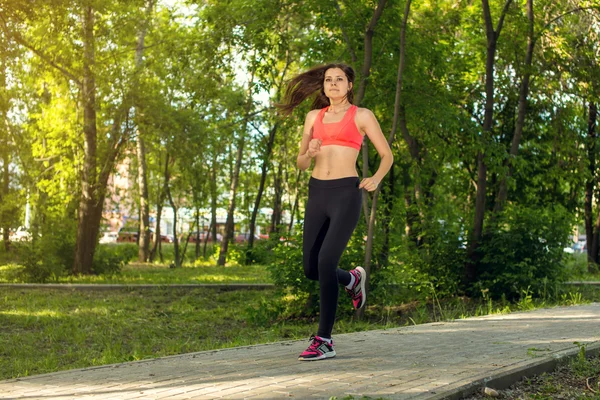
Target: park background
[(158, 119)]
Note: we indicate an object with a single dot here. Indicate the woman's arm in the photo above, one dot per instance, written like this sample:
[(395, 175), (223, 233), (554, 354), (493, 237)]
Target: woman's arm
[(309, 147), (368, 124)]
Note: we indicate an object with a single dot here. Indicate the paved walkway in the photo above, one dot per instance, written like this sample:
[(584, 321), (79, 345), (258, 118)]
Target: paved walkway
[(431, 361)]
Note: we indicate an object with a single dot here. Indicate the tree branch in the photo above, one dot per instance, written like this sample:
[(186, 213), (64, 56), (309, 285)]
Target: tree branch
[(344, 34), (597, 8), (17, 38), (502, 15), (368, 51)]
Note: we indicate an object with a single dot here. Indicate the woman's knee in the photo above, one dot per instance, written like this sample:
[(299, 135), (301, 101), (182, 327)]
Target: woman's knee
[(311, 271)]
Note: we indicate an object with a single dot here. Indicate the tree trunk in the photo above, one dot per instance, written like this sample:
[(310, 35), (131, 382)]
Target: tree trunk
[(157, 233), (523, 94), (278, 188), (590, 186), (387, 217), (368, 52), (174, 207), (144, 236), (197, 253), (412, 216), (360, 93), (232, 194), (87, 231), (412, 197), (5, 189), (397, 102), (477, 232), (185, 244), (4, 152), (261, 187), (295, 206), (229, 224), (213, 200)]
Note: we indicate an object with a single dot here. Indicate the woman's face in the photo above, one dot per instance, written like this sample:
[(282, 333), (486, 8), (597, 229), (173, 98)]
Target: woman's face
[(336, 85)]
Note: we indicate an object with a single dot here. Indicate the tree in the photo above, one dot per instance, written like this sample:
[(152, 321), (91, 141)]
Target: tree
[(144, 237), (492, 35)]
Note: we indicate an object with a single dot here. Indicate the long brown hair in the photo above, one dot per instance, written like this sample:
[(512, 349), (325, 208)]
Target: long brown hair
[(310, 82)]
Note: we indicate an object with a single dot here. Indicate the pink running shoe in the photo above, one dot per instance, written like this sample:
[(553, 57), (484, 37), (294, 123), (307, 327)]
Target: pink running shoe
[(319, 349), (358, 294)]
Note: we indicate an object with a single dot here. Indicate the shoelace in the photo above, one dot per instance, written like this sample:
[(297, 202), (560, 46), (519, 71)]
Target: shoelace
[(315, 343), (356, 289)]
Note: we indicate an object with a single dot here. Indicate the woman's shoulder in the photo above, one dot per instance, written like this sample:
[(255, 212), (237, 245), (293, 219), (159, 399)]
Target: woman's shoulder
[(312, 115), (362, 113)]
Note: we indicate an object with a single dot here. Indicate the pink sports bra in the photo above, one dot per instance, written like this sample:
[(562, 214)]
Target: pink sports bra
[(343, 133)]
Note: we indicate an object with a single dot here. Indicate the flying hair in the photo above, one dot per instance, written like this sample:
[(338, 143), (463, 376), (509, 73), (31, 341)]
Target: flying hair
[(310, 82)]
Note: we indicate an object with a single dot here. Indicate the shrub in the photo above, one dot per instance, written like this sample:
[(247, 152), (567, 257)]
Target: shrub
[(48, 257), (110, 259), (287, 269), (261, 252), (523, 251)]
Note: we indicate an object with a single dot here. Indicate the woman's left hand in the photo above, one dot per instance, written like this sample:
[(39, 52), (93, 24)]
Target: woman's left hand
[(369, 184)]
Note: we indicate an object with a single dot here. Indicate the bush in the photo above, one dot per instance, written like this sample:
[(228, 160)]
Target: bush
[(110, 259), (524, 251), (48, 257), (436, 265), (262, 252), (287, 269)]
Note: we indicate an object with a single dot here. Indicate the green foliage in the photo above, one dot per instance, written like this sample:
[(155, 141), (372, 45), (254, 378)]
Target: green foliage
[(434, 266), (110, 259), (525, 251), (49, 256), (577, 268), (287, 269), (266, 311), (262, 252), (581, 365)]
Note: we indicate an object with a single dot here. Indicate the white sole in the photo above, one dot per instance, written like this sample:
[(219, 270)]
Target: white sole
[(362, 286), (331, 354)]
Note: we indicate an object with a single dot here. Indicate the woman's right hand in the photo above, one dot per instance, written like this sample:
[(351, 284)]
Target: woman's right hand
[(314, 147)]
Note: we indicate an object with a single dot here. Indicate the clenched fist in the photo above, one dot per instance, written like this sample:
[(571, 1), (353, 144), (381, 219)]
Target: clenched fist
[(369, 184), (314, 147)]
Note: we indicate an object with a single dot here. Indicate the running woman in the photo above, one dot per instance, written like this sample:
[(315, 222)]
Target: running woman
[(333, 135)]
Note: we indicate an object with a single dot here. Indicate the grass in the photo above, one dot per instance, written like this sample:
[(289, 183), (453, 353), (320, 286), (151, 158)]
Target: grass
[(193, 271), (577, 268), (133, 274), (47, 330)]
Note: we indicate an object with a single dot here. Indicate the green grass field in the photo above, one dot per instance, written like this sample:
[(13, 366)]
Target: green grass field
[(133, 274), (47, 330)]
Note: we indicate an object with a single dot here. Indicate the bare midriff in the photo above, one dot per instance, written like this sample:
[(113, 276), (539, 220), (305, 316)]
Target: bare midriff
[(335, 162)]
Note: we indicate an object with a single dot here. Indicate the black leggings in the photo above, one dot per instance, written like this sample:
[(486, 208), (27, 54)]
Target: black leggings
[(332, 212)]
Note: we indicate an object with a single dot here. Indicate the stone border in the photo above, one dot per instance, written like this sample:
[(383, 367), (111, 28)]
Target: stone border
[(508, 378), (91, 286)]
